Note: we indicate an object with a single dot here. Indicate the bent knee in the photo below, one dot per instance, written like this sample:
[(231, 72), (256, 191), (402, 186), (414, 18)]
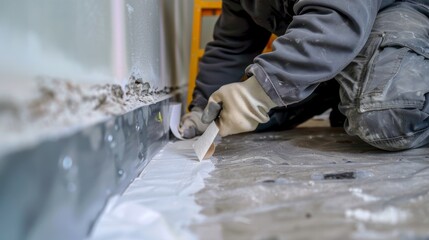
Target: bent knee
[(390, 129)]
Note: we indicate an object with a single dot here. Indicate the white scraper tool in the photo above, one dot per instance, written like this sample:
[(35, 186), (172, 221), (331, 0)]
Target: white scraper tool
[(204, 146)]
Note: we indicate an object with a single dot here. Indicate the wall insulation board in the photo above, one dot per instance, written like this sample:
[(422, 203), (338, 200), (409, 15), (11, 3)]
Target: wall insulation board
[(56, 188)]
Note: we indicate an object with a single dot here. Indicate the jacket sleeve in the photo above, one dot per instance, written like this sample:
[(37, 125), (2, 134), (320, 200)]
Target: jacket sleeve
[(237, 41), (322, 39)]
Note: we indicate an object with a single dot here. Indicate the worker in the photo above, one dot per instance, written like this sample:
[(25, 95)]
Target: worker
[(367, 58)]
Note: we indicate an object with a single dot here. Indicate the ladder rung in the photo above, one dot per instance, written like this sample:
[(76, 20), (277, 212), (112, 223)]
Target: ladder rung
[(211, 5), (210, 12)]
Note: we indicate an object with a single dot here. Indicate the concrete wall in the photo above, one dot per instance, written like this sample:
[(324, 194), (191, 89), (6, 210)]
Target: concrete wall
[(87, 41)]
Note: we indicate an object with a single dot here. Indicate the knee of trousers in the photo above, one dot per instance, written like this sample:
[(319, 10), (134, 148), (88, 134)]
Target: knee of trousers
[(390, 129)]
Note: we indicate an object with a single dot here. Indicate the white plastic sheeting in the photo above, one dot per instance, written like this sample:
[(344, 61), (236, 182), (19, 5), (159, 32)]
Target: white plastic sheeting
[(160, 203)]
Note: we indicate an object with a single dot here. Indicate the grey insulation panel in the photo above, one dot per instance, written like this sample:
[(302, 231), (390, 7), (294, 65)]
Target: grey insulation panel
[(57, 188)]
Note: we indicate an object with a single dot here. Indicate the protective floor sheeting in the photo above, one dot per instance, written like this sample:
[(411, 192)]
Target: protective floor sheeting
[(160, 203), (308, 183)]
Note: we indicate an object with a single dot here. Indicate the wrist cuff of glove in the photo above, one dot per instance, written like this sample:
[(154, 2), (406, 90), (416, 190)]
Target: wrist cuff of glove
[(261, 76), (260, 94)]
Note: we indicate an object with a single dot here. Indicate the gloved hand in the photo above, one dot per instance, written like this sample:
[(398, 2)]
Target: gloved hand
[(191, 124), (239, 106)]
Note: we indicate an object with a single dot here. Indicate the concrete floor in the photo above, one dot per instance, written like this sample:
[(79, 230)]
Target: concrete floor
[(314, 183), (307, 183)]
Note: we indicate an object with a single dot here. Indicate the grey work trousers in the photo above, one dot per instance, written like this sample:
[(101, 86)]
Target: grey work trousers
[(384, 92)]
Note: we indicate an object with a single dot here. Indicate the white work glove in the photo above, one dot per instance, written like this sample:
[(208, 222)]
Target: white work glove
[(191, 124), (238, 107)]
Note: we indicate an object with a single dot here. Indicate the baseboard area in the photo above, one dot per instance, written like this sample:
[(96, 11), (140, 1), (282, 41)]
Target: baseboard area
[(57, 188)]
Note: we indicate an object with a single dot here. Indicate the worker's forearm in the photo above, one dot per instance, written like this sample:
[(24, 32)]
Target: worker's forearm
[(323, 38)]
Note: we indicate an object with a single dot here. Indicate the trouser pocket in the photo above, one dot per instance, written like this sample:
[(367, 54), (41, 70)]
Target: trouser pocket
[(397, 75), (355, 76)]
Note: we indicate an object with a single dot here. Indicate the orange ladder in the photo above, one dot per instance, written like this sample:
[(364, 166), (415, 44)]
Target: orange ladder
[(203, 8)]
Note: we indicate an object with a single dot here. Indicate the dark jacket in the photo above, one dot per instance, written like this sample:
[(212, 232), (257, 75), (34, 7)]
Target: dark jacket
[(316, 40)]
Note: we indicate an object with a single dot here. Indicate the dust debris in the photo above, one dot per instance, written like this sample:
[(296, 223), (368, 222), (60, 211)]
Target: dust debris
[(336, 176), (60, 104)]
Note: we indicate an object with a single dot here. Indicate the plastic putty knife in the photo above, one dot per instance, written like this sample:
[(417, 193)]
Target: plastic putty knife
[(204, 146)]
